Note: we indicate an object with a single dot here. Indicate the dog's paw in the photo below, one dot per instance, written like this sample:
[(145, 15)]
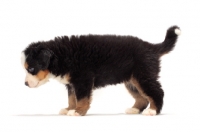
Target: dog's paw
[(72, 113), (132, 111), (63, 111), (149, 112)]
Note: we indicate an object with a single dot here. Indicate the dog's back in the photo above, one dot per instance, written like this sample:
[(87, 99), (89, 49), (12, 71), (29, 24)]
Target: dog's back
[(113, 59)]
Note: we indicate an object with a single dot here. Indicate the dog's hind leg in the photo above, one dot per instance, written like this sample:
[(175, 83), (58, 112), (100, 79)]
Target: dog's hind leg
[(151, 90), (71, 100), (140, 102)]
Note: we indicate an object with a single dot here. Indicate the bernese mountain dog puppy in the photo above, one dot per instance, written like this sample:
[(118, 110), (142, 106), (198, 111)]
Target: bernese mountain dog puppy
[(87, 62)]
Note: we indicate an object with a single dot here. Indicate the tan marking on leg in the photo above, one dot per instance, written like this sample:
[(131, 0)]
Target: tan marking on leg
[(67, 77), (140, 102), (137, 85), (71, 106), (152, 104), (71, 102), (42, 74), (82, 106)]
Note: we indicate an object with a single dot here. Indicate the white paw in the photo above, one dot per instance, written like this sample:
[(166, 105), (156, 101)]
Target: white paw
[(149, 112), (63, 111), (72, 113), (132, 111)]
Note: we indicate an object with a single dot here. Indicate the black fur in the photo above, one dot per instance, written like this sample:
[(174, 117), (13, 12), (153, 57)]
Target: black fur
[(95, 61)]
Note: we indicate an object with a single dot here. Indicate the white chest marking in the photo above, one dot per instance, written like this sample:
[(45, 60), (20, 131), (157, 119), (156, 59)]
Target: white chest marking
[(63, 80)]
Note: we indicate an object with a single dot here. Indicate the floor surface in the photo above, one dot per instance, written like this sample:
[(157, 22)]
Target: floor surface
[(99, 122)]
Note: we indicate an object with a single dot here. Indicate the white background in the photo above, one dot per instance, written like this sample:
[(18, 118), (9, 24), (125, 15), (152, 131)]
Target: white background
[(23, 22)]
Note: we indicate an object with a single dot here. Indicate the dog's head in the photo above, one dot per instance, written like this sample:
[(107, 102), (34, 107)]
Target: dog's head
[(35, 59)]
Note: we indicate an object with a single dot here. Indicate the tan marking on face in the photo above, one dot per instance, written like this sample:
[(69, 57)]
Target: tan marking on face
[(25, 65), (137, 85), (37, 80), (42, 74)]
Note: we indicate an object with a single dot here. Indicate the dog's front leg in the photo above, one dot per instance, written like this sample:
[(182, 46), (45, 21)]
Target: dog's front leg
[(82, 86), (83, 90), (71, 100)]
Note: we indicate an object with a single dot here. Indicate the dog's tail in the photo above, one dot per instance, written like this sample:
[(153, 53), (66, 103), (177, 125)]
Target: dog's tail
[(170, 39)]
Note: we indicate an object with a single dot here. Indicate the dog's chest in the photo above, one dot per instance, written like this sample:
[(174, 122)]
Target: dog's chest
[(63, 80)]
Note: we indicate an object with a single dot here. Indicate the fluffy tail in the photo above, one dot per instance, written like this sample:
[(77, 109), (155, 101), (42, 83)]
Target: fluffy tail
[(170, 39)]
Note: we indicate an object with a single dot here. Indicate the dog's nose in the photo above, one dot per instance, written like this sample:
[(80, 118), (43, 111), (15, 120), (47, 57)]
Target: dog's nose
[(26, 83)]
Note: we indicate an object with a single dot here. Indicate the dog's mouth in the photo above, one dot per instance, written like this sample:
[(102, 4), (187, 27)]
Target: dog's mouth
[(34, 82), (37, 85), (40, 83)]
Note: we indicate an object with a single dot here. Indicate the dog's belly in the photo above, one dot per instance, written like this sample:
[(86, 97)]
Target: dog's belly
[(101, 81)]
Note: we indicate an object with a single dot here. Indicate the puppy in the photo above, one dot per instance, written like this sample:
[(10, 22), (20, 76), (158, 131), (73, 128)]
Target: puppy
[(87, 62)]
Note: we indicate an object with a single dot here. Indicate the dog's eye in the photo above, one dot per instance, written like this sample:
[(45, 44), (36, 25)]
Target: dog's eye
[(31, 70)]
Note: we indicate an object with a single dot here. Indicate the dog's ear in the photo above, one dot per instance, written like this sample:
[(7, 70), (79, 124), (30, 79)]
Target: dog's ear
[(45, 57)]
